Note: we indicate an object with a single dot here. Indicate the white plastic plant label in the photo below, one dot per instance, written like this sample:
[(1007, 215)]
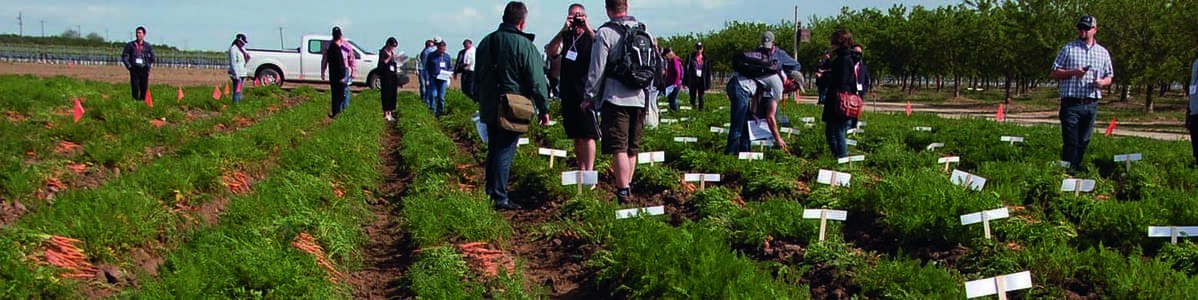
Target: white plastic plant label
[(644, 211)]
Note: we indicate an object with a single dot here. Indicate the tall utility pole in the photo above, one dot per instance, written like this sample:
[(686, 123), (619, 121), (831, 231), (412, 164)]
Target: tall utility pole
[(281, 44), (20, 23), (43, 28), (798, 31)]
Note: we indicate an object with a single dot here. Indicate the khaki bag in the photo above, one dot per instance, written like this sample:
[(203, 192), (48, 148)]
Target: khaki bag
[(515, 112)]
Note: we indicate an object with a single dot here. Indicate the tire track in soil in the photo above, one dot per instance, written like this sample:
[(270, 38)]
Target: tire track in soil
[(388, 254), (557, 263)]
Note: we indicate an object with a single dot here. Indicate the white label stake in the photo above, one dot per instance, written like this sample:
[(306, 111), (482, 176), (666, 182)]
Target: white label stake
[(644, 211), (833, 178), (580, 178), (686, 140), (551, 153), (1173, 232), (751, 156), (1077, 186), (1011, 139), (702, 179), (998, 285), (650, 157), (933, 146), (970, 181), (985, 217), (1128, 158), (948, 160), (850, 159), (824, 215)]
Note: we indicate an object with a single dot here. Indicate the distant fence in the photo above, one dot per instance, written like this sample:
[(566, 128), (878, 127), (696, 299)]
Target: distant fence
[(107, 56)]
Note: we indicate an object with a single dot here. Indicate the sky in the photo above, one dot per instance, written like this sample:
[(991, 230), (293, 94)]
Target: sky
[(211, 25)]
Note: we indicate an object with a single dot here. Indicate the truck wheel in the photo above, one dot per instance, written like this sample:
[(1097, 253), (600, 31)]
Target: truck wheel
[(374, 81), (270, 76)]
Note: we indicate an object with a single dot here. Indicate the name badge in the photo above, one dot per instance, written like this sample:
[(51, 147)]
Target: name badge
[(138, 61), (392, 68), (572, 55), (444, 64), (699, 73), (860, 87)]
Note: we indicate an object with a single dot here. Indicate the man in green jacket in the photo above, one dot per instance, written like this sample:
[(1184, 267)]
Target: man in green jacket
[(507, 63)]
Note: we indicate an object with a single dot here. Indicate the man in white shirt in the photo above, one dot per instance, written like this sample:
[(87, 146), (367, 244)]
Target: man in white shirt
[(465, 68)]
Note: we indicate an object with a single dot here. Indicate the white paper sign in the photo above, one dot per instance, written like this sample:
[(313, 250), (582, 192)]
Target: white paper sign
[(751, 155), (992, 214), (1129, 157), (522, 141), (829, 177), (718, 130), (684, 107), (669, 121), (923, 128), (1169, 231), (950, 159), (933, 146), (838, 215), (686, 139), (1013, 139), (551, 152), (989, 286), (849, 159), (975, 182), (702, 177), (586, 177), (808, 120), (445, 75), (850, 142), (1074, 185), (759, 130), (788, 130), (650, 157), (645, 211)]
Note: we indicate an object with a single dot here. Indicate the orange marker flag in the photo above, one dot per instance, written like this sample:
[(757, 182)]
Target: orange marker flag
[(227, 88), (257, 82), (1111, 128), (149, 98), (78, 110), (1002, 114), (179, 98), (908, 108), (216, 92)]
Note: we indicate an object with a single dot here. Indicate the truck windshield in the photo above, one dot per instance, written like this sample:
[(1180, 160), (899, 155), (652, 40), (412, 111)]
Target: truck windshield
[(360, 48)]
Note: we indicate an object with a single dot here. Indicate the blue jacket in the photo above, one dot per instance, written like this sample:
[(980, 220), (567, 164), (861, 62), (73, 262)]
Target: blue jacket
[(435, 62)]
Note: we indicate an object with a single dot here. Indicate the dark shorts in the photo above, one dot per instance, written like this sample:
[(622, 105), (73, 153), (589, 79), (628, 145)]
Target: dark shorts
[(622, 128), (579, 124)]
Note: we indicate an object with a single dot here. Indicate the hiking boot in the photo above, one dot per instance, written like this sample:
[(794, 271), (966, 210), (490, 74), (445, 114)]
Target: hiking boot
[(507, 205)]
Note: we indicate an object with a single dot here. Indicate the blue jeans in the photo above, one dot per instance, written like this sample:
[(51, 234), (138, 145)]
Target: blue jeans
[(436, 96), (348, 82), (501, 149), (672, 96), (236, 89), (423, 91), (834, 132), (738, 131), (1077, 125), (1192, 125), (823, 95)]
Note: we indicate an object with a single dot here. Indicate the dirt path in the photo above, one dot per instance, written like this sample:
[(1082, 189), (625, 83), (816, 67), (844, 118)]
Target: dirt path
[(386, 254), (1155, 129)]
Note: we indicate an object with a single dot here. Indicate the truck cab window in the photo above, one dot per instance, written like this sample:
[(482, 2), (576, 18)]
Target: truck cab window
[(317, 46)]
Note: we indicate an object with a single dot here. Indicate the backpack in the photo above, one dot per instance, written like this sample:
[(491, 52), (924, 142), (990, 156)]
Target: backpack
[(635, 62), (753, 64)]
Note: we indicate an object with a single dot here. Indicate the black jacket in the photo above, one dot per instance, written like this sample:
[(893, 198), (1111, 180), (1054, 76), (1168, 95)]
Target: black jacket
[(129, 57), (839, 78), (695, 82)]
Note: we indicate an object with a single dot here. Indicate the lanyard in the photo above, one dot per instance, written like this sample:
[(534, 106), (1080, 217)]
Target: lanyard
[(574, 44)]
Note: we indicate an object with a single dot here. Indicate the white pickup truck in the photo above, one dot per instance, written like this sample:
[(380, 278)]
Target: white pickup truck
[(294, 65)]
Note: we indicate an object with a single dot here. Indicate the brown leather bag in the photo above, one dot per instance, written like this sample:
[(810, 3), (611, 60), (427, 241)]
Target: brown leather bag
[(851, 104), (515, 112)]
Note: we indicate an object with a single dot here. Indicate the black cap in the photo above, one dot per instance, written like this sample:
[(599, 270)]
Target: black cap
[(699, 45), (1087, 22), (241, 37)]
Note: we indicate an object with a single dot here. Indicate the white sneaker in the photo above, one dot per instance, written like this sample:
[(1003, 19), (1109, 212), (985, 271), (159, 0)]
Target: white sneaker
[(389, 119)]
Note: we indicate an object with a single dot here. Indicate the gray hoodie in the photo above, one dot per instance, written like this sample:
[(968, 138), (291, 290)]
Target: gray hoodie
[(601, 90)]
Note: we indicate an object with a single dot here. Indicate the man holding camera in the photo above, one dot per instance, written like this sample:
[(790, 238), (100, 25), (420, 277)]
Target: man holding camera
[(573, 44), (1082, 68)]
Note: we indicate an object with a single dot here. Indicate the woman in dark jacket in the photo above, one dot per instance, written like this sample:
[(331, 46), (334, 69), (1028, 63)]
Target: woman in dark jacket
[(390, 80), (698, 76), (839, 78)]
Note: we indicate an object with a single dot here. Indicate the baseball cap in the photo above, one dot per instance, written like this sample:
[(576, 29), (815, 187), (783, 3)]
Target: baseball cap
[(438, 40), (1087, 22), (767, 39), (699, 45)]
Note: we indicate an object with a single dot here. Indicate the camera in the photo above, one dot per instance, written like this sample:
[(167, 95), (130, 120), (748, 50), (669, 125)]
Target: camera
[(577, 21)]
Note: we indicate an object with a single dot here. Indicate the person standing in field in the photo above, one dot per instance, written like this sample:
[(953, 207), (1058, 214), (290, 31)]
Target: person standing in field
[(420, 75), (237, 65), (574, 41), (624, 60), (697, 77), (673, 77), (138, 58), (465, 68), (1192, 112), (1082, 69), (389, 63), (440, 71), (839, 77), (338, 61), (508, 64)]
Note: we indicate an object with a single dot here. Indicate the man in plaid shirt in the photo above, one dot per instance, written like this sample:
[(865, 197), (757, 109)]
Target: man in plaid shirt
[(1082, 68)]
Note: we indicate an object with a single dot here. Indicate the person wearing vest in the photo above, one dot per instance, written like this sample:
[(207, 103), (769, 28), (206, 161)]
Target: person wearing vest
[(138, 58)]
